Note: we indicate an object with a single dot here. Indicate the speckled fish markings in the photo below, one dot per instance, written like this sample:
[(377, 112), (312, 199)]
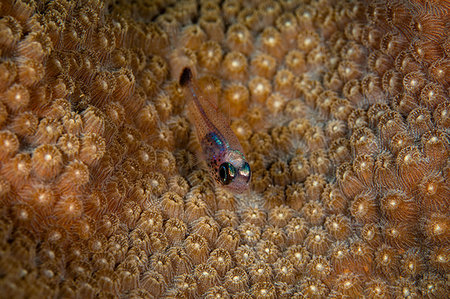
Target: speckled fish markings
[(220, 146)]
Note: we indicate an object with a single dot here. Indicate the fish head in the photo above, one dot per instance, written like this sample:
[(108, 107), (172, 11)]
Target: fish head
[(234, 172)]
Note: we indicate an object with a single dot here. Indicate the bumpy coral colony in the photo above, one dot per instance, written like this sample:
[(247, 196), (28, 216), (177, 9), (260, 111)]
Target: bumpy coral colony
[(342, 108)]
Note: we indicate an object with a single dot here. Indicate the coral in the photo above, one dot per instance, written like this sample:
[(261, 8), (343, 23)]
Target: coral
[(341, 108), (235, 66)]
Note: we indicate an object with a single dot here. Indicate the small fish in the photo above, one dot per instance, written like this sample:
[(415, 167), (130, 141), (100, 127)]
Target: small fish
[(221, 148)]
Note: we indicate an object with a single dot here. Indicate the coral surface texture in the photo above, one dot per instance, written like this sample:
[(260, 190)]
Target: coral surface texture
[(341, 107)]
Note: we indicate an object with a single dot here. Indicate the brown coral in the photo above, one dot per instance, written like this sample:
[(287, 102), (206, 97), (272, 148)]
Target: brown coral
[(342, 111)]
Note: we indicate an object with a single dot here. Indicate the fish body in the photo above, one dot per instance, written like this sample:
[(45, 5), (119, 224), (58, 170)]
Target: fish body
[(220, 147)]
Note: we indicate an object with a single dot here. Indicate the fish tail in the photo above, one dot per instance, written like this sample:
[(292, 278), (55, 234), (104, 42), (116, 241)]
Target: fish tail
[(185, 77), (179, 61)]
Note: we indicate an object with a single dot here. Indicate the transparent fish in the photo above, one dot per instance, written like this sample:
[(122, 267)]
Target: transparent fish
[(220, 146)]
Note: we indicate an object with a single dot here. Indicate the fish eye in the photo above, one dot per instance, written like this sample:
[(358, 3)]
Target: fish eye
[(245, 171), (227, 173)]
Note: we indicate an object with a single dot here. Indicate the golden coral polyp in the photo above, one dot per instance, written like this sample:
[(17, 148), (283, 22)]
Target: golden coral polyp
[(47, 161)]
